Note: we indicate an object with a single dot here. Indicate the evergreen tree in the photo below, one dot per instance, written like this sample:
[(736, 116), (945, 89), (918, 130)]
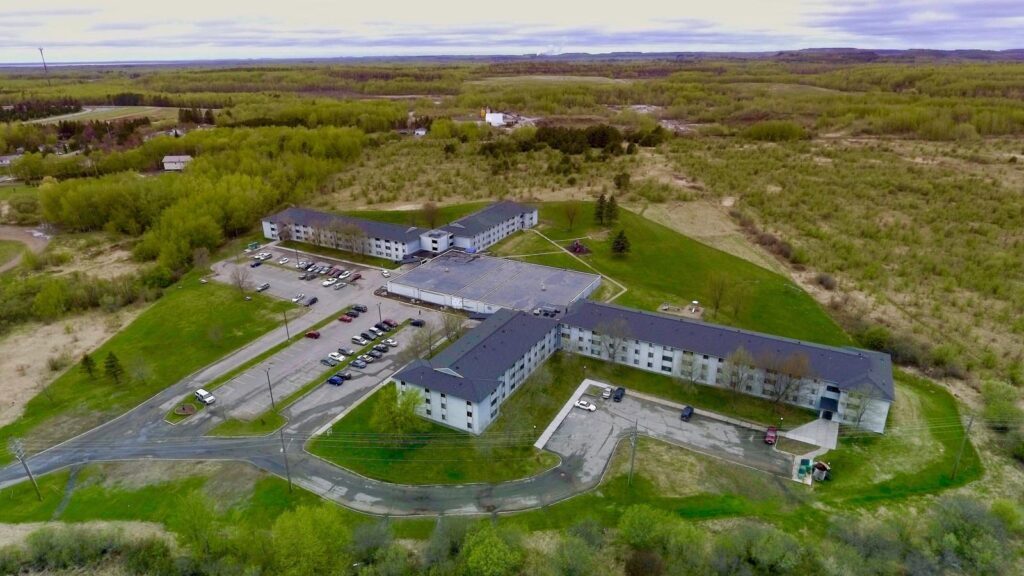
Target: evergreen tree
[(113, 369), (611, 211), (208, 117), (88, 365), (599, 210), (620, 246)]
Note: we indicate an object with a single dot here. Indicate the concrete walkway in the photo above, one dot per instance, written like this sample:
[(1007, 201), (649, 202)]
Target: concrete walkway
[(820, 432)]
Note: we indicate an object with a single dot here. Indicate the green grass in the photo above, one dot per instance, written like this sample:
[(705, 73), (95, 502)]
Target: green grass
[(443, 456), (445, 214), (155, 113), (7, 191), (341, 254), (271, 419), (915, 456), (9, 250), (719, 400), (191, 326), (665, 266)]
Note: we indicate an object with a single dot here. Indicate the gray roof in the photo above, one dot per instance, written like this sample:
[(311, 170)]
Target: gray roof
[(486, 218), (847, 368), (471, 367), (177, 158), (372, 228)]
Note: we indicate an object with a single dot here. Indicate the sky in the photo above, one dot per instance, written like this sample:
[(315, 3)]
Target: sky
[(137, 30)]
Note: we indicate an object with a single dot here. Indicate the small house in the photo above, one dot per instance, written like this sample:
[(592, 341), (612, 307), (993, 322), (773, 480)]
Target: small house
[(176, 163)]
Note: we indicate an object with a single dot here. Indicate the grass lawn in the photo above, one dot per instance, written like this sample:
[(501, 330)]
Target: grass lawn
[(665, 266), (742, 406), (189, 327), (9, 250), (341, 254), (442, 455), (155, 113), (9, 190), (916, 455)]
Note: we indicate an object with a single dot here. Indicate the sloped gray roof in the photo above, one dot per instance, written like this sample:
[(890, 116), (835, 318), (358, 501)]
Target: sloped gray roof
[(185, 158), (481, 356), (372, 228), (486, 218), (847, 368)]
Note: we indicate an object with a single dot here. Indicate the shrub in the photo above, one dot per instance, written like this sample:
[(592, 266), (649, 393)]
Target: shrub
[(68, 547), (775, 131), (826, 281), (1001, 410)]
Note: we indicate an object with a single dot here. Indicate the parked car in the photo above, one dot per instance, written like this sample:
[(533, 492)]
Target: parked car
[(359, 341), (335, 380), (344, 274), (686, 413), (328, 361), (417, 323), (360, 307), (312, 301), (607, 393), (366, 336), (385, 273), (337, 356), (352, 313), (618, 394), (377, 333), (391, 323), (255, 263), (344, 318), (301, 264), (298, 297), (358, 363), (381, 348), (344, 375), (375, 354), (382, 327), (282, 261), (771, 435), (391, 342), (263, 287), (314, 335), (336, 273), (340, 285), (345, 351), (585, 405), (310, 266), (329, 282), (205, 397), (367, 359), (355, 277)]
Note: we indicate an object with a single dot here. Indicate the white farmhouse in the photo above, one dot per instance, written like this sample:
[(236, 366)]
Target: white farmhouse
[(176, 163)]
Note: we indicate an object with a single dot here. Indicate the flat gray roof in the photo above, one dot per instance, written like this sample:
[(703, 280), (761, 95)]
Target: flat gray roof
[(498, 281)]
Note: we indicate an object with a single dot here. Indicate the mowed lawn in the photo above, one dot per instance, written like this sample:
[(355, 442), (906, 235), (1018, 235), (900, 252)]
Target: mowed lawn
[(665, 266), (441, 455), (189, 327)]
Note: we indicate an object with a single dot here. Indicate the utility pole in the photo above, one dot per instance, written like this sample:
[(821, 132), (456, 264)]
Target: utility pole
[(632, 454), (284, 454), (19, 453), (287, 334), (380, 318), (967, 432), (46, 71), (273, 406)]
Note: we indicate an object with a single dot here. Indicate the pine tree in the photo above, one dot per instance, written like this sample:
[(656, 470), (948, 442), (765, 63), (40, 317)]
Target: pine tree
[(620, 246), (611, 211), (599, 210), (113, 369), (88, 365)]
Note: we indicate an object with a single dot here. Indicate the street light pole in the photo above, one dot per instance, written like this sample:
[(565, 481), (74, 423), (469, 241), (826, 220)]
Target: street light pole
[(273, 406), (380, 317)]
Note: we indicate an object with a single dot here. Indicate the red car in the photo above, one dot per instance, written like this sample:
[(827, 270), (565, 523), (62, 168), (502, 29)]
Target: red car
[(314, 335), (344, 319), (391, 322), (355, 277), (771, 435)]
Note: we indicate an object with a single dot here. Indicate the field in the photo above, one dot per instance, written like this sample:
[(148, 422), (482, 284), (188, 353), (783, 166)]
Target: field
[(109, 113), (9, 250), (192, 325)]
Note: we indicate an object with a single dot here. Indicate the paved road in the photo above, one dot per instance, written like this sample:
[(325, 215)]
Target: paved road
[(584, 441)]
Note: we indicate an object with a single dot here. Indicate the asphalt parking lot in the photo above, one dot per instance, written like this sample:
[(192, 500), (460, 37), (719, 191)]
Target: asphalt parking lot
[(587, 439), (247, 395)]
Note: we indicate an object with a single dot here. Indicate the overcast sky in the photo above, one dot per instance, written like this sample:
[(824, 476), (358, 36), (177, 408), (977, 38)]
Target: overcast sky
[(130, 30)]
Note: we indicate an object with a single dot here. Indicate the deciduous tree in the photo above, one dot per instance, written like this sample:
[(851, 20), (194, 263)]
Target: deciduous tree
[(571, 211), (430, 214)]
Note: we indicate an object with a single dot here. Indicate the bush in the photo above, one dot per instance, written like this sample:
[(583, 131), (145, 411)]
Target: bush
[(67, 547), (776, 131), (1001, 410), (826, 281), (151, 557)]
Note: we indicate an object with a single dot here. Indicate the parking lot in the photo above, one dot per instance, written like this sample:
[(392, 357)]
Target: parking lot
[(247, 395), (588, 439)]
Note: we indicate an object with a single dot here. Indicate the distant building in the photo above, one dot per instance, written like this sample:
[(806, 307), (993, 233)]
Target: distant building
[(394, 241), (496, 119), (6, 161), (419, 132), (176, 163)]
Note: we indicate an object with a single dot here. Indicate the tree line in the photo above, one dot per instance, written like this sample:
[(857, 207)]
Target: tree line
[(32, 109)]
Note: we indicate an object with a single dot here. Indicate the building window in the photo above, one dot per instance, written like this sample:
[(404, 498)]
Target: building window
[(426, 390), (428, 411), (426, 400), (469, 425), (443, 395), (444, 417), (666, 368)]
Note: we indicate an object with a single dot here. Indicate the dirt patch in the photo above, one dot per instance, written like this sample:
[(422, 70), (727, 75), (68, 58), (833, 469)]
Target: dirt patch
[(225, 478), (26, 352), (16, 533), (25, 236), (102, 264)]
